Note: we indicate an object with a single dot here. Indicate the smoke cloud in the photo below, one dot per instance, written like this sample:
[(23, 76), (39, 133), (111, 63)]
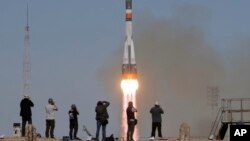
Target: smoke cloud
[(176, 65)]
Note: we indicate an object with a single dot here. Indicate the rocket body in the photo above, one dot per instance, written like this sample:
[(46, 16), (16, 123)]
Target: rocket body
[(129, 70)]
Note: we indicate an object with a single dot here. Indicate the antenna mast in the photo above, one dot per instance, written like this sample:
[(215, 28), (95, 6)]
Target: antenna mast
[(26, 88)]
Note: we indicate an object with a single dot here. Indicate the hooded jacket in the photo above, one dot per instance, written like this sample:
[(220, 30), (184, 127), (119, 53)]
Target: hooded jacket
[(101, 111)]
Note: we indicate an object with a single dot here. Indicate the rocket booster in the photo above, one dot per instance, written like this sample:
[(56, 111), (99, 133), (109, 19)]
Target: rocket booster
[(129, 70)]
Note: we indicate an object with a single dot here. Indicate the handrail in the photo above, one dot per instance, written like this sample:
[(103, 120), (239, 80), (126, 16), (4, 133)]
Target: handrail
[(236, 99), (229, 110), (225, 114), (215, 124)]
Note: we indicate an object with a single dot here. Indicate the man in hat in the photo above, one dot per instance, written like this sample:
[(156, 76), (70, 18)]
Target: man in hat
[(156, 112)]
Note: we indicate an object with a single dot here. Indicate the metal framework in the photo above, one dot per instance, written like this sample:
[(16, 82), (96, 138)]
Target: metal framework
[(231, 112), (26, 84), (234, 106)]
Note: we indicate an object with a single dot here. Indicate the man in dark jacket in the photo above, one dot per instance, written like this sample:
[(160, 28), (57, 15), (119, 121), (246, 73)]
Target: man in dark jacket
[(25, 112), (156, 112), (101, 118), (131, 121)]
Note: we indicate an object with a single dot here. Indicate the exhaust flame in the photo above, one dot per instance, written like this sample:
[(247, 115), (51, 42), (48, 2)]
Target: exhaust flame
[(129, 87)]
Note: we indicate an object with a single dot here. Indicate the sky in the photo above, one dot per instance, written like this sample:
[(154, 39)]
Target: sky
[(182, 48)]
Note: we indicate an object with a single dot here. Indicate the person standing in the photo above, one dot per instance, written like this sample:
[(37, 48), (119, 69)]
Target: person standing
[(131, 121), (25, 112), (73, 122), (156, 112), (101, 118), (50, 118)]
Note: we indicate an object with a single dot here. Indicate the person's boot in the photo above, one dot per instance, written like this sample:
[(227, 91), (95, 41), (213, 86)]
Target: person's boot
[(76, 138), (151, 138), (70, 137)]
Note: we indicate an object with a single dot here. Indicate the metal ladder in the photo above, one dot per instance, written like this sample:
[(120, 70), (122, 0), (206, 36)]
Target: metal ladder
[(216, 124)]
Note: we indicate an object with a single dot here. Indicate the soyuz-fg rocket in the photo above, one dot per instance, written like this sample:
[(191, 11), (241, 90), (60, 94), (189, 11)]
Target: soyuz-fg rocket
[(129, 70)]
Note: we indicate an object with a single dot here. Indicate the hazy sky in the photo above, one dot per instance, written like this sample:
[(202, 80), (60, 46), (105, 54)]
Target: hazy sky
[(182, 47)]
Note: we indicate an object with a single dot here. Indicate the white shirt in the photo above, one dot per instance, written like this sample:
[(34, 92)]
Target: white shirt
[(50, 111)]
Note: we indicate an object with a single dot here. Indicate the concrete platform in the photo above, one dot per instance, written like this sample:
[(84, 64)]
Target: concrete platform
[(176, 139), (164, 139), (24, 139)]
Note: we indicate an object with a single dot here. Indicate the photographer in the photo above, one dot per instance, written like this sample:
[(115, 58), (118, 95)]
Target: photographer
[(101, 118), (50, 118), (25, 112), (131, 120), (156, 113), (73, 122)]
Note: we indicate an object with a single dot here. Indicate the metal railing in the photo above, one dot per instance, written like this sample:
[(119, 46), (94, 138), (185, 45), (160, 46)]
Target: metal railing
[(230, 107), (226, 112)]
